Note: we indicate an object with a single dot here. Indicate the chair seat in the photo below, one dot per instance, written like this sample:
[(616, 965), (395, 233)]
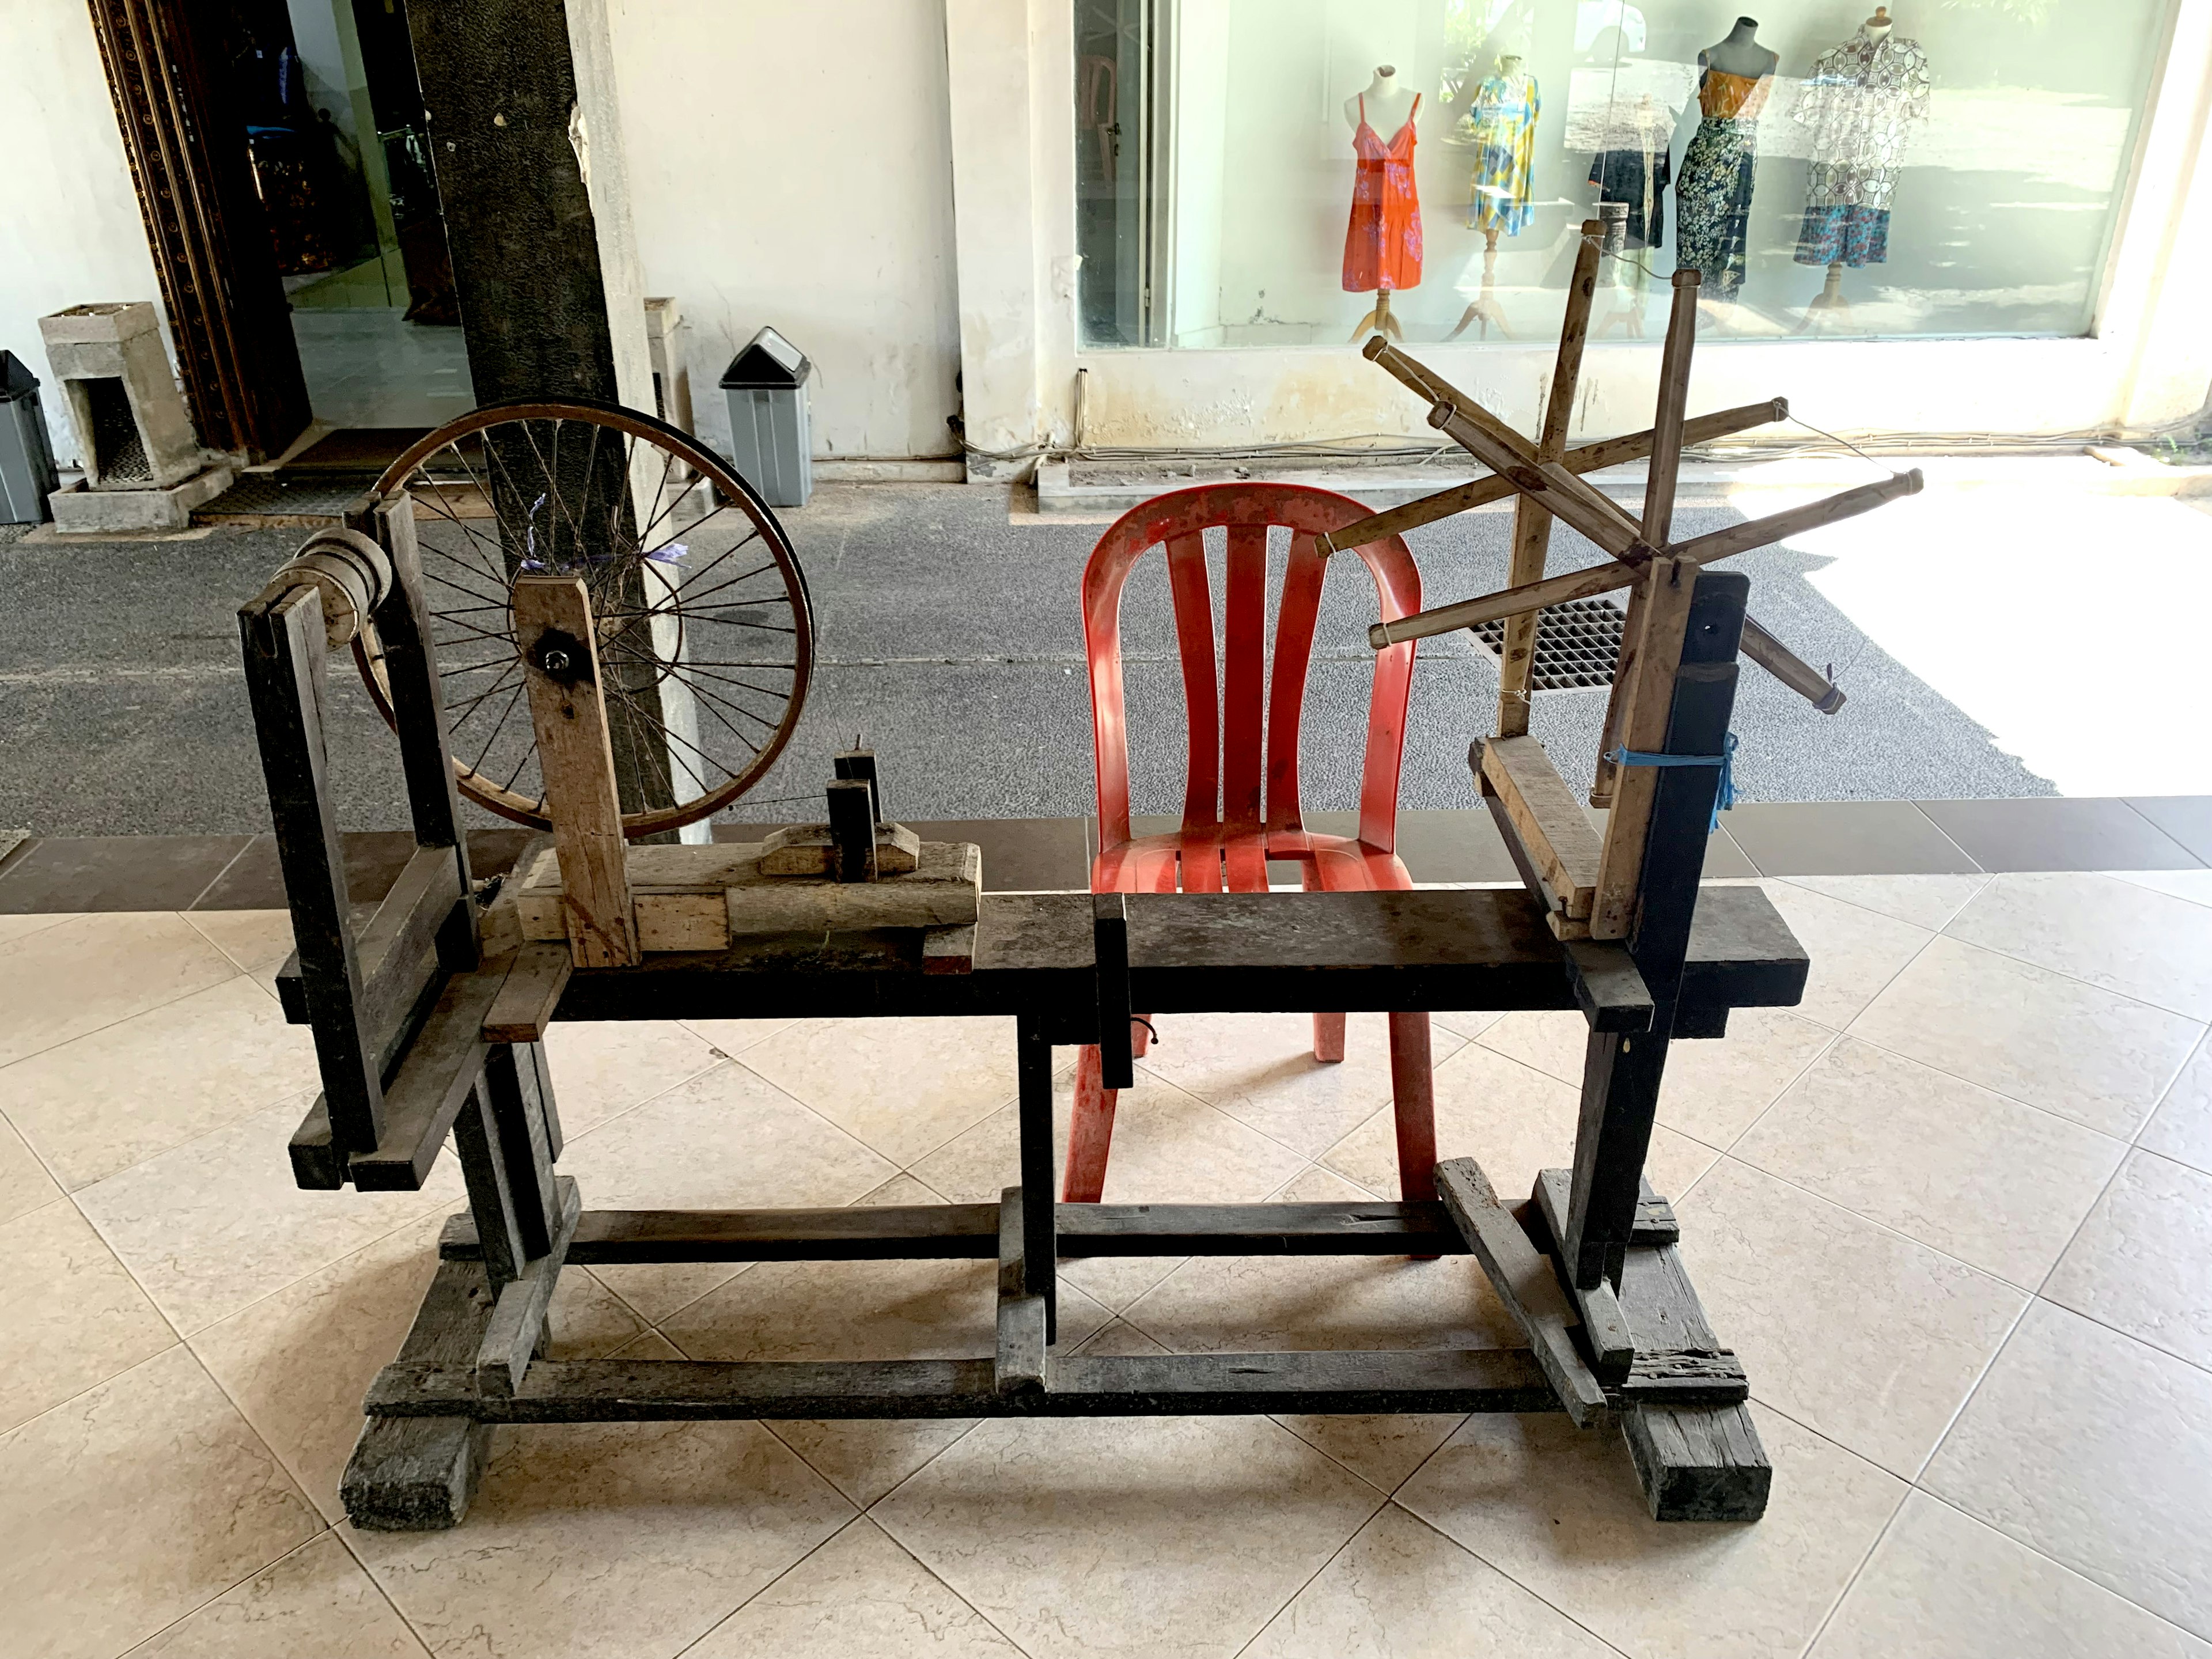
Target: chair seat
[(1234, 859)]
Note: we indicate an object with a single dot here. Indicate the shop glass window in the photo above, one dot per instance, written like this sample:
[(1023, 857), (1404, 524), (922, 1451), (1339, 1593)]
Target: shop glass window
[(1254, 172)]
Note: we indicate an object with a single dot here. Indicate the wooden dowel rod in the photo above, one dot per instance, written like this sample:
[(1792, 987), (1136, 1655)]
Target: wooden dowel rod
[(1532, 520), (1590, 457), (1440, 393), (1605, 578), (1673, 402), (1792, 670), (1560, 490), (1779, 527)]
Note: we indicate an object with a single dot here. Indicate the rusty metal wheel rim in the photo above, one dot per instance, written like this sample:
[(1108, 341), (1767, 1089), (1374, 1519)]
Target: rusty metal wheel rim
[(450, 491)]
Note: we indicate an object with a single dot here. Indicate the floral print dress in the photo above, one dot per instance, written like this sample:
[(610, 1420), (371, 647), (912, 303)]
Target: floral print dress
[(1501, 125), (1712, 193), (1383, 243)]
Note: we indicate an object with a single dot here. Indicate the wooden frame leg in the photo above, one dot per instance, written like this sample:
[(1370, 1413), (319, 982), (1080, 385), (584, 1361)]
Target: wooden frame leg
[(1039, 1232), (418, 1473), (1328, 1038), (1413, 1103)]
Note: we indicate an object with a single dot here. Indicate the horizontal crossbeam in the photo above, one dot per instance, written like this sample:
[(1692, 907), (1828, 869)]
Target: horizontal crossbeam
[(1214, 1384)]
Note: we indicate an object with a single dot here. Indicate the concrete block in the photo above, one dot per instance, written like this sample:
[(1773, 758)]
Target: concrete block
[(132, 427), (80, 512)]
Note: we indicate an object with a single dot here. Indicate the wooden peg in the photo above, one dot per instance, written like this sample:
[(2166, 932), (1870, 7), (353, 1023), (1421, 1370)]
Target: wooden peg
[(853, 827)]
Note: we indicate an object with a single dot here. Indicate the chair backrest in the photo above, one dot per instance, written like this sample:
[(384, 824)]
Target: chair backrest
[(1229, 717)]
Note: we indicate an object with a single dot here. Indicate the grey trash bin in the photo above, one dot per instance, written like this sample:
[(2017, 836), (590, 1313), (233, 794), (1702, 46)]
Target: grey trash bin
[(26, 460), (770, 442)]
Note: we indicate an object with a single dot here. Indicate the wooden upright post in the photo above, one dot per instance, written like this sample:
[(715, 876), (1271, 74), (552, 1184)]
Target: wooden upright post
[(553, 625), (1658, 514), (1532, 522)]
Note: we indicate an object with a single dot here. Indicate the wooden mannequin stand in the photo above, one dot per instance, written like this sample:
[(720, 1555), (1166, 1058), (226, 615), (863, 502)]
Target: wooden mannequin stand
[(429, 1018), (1829, 307), (1485, 310), (1379, 318)]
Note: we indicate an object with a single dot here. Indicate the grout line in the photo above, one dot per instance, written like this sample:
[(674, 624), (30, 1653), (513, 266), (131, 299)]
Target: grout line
[(200, 1608), (1327, 1561), (216, 879), (804, 1556), (1851, 1579), (2161, 831)]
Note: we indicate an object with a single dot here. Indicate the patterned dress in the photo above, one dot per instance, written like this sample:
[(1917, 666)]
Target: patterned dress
[(1712, 193), (1501, 126), (1383, 242), (1861, 102)]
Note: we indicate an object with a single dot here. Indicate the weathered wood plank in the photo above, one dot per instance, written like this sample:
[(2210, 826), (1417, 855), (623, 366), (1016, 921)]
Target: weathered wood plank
[(1655, 1216), (1647, 705), (417, 1473), (1525, 1282), (1608, 989), (1547, 818), (1699, 1464), (1373, 1227), (523, 1010), (1220, 1384), (1018, 1361), (511, 1336), (575, 757), (441, 1066)]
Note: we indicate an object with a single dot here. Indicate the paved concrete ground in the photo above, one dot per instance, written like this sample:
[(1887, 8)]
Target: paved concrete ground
[(949, 635)]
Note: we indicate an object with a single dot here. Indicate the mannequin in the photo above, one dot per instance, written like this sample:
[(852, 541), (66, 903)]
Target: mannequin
[(1633, 173), (1382, 241), (1501, 126), (1861, 102), (1712, 194)]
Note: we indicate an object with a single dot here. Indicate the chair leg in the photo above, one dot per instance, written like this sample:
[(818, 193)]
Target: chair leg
[(1413, 1094), (1328, 1038), (1140, 1037), (1090, 1132)]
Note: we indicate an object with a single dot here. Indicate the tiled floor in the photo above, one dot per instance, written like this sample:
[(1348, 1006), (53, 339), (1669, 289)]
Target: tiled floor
[(1955, 1212)]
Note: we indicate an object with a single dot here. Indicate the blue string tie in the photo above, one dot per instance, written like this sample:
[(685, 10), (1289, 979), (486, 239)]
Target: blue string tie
[(1723, 798)]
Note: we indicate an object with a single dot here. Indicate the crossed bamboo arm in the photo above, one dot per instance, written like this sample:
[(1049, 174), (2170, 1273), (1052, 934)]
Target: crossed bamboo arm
[(1558, 486)]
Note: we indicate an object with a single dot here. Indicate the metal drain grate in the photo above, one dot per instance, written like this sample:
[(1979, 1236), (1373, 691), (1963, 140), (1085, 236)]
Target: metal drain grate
[(1577, 644)]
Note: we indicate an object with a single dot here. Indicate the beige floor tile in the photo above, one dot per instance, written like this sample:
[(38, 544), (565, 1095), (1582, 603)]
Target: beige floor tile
[(1979, 1176), (1855, 952), (2076, 1050), (1170, 1147), (600, 1540), (1941, 1585), (1163, 1536), (1509, 1118), (2195, 885), (722, 1141), (257, 941), (317, 1600), (119, 1096), (1259, 1069), (2097, 1450), (13, 927), (137, 1502), (2146, 945), (859, 1597), (216, 1223), (1559, 1511), (2181, 1128), (297, 1363), (62, 981), (734, 1036), (1468, 1022), (921, 1310), (902, 1086), (24, 1183), (70, 1315), (2142, 1262), (1716, 1089), (1924, 900), (1868, 1338), (1403, 1590), (601, 1068)]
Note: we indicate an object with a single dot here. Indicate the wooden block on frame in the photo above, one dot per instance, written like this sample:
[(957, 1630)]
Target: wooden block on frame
[(1699, 1463), (523, 1007), (948, 950), (1549, 821), (809, 849)]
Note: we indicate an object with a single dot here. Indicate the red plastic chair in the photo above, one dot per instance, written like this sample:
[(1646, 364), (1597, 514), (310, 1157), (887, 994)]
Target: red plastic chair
[(1236, 816)]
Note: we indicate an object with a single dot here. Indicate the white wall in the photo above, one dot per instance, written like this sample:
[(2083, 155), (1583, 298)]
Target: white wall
[(69, 229), (792, 166)]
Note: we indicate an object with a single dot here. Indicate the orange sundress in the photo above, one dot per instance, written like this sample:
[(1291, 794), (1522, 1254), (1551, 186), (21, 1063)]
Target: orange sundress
[(1383, 243)]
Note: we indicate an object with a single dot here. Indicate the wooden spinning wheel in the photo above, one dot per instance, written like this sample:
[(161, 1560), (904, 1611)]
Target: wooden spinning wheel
[(705, 635)]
